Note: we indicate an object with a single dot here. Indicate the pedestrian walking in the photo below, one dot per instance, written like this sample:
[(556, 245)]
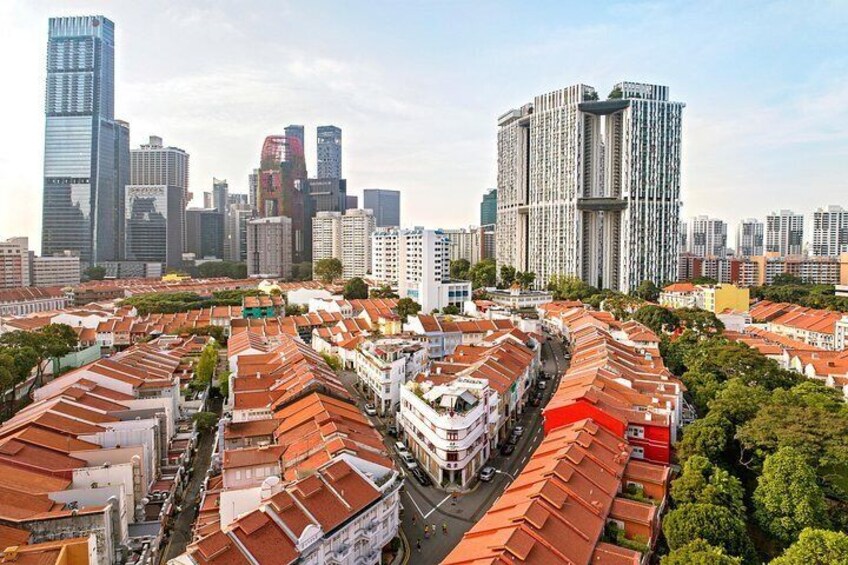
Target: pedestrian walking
[(433, 529), (445, 528), (418, 545), (414, 520)]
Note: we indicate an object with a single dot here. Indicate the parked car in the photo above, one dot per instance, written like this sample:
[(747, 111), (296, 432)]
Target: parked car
[(392, 430), (408, 460), (507, 448), (401, 448), (518, 430), (370, 409), (421, 477), (487, 474), (541, 384)]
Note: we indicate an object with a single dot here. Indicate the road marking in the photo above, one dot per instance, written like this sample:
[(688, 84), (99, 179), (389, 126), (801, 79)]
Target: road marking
[(445, 499), (409, 496)]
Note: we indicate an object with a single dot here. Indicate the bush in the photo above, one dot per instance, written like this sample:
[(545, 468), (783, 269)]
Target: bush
[(205, 420)]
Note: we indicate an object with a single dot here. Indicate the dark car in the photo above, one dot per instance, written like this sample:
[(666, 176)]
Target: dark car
[(507, 448), (421, 477), (536, 401), (392, 431)]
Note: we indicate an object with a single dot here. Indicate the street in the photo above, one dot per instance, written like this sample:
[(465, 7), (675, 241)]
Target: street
[(436, 508)]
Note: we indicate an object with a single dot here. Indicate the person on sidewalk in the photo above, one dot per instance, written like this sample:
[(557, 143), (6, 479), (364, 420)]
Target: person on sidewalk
[(445, 528), (418, 545)]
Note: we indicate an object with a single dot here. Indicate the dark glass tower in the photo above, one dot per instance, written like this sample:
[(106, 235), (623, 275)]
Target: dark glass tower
[(385, 204), (86, 152)]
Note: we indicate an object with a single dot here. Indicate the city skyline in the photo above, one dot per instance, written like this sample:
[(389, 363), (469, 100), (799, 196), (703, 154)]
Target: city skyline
[(752, 136)]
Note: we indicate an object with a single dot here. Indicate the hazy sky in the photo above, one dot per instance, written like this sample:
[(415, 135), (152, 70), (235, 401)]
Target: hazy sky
[(417, 88)]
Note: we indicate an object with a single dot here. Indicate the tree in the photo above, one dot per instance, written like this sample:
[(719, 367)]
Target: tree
[(214, 269), (384, 291), (657, 318), (715, 525), (507, 275), (702, 482), (407, 307), (738, 402), (699, 552), (355, 288), (294, 310), (704, 281), (459, 269), (483, 274), (701, 321), (450, 310), (786, 279), (788, 498), (51, 341), (205, 369), (525, 280), (8, 381), (224, 383), (332, 361), (205, 420), (328, 270), (816, 547), (94, 273), (647, 290), (707, 437), (566, 287)]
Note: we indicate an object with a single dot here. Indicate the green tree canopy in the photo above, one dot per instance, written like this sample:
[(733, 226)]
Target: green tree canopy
[(703, 482), (483, 274), (355, 288), (459, 269), (407, 307), (36, 347), (384, 291), (716, 525), (507, 275), (94, 273), (566, 287), (700, 321), (302, 271), (525, 280), (328, 270), (214, 269), (699, 552), (647, 290), (816, 547), (707, 437), (657, 318), (788, 498)]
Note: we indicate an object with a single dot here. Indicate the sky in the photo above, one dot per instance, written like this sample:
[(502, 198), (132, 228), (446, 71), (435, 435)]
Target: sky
[(417, 88)]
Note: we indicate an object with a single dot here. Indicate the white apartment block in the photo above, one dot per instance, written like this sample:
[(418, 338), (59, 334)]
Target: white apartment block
[(419, 260), (346, 237), (464, 244), (750, 238), (591, 188), (706, 237), (14, 263), (830, 231), (785, 233), (448, 427), (385, 365), (269, 251), (60, 270)]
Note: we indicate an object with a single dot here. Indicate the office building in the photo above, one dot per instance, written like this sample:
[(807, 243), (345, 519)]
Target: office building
[(784, 233), (205, 233), (591, 188), (281, 190), (220, 195), (85, 148), (385, 204), (269, 249), (155, 224), (329, 152), (253, 189), (327, 195), (418, 261), (346, 237), (830, 231), (237, 198), (489, 208), (235, 242), (58, 270), (154, 164), (707, 237), (351, 202), (14, 263), (488, 241), (296, 134), (750, 238)]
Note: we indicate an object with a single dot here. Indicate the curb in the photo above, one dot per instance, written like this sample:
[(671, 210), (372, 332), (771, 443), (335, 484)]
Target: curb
[(406, 548)]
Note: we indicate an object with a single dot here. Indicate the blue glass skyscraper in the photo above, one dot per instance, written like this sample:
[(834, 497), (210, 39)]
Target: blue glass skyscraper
[(86, 152)]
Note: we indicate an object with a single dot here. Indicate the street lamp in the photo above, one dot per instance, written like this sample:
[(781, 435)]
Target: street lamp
[(499, 472)]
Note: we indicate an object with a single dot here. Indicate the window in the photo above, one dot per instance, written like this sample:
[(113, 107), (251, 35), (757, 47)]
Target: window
[(636, 431), (452, 456), (453, 435), (638, 452)]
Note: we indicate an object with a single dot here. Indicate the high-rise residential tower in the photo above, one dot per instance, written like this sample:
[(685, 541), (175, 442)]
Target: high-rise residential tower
[(155, 164), (750, 238), (785, 233), (85, 148), (269, 248), (591, 188), (346, 237), (830, 231), (707, 237), (385, 204), (329, 152)]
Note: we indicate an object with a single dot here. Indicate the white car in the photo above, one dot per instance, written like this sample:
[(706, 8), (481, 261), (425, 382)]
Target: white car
[(370, 409), (409, 461), (401, 448)]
